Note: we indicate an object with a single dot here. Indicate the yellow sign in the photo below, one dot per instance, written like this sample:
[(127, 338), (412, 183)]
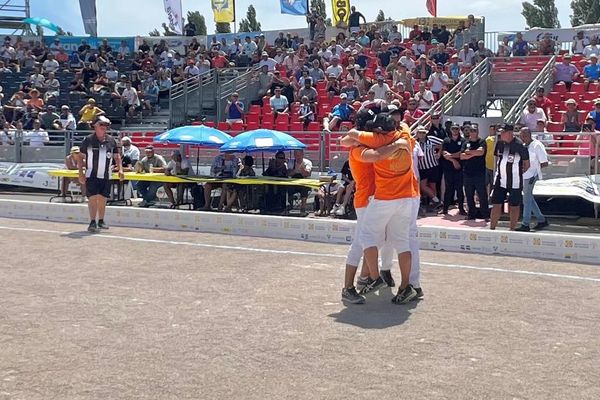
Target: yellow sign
[(223, 10), (450, 22), (341, 12)]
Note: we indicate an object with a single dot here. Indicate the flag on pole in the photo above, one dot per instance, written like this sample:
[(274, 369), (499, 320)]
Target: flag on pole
[(432, 7), (173, 10), (341, 12), (294, 7), (223, 10), (88, 13)]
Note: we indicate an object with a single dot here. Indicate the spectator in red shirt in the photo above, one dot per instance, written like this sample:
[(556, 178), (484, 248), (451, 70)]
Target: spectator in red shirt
[(219, 60), (543, 102), (412, 114), (415, 33)]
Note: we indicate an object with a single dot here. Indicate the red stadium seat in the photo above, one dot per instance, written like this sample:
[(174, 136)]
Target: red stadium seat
[(314, 127), (223, 126), (560, 88), (252, 118), (252, 125), (555, 97), (237, 126), (296, 126), (211, 124), (255, 109), (577, 87), (282, 125), (555, 127)]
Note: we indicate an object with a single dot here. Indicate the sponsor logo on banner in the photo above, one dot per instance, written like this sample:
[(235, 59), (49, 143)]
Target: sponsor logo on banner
[(341, 12)]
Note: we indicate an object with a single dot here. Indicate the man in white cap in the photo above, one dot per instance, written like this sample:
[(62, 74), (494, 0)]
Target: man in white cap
[(268, 61), (98, 151)]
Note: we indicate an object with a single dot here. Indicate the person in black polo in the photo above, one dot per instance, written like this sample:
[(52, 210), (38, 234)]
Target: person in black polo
[(98, 152), (452, 167), (512, 160), (473, 160)]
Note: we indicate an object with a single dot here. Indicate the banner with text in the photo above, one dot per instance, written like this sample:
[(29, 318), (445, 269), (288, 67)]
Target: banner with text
[(174, 15), (223, 10), (341, 12), (71, 43)]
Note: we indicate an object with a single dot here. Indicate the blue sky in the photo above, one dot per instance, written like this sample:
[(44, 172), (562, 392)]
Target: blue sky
[(138, 17)]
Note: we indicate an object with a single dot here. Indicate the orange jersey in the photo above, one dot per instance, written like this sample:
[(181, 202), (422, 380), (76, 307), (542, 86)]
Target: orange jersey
[(394, 177), (364, 177)]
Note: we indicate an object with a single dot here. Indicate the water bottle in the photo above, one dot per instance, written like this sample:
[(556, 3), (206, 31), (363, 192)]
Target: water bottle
[(151, 169)]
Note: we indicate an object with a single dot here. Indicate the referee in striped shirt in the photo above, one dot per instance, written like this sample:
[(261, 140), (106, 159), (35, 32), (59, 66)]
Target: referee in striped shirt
[(98, 153), (430, 171), (512, 160)]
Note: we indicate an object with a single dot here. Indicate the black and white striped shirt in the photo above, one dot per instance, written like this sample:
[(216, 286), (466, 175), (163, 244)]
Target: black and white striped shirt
[(430, 158), (99, 155), (509, 167)]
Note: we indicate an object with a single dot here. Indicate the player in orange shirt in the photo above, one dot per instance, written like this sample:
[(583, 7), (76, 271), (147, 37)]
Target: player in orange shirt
[(391, 208), (361, 161)]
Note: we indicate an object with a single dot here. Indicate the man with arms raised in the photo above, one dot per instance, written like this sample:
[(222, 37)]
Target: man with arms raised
[(98, 151)]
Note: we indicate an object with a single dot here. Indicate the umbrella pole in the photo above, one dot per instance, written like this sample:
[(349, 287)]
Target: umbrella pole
[(197, 160), (263, 161)]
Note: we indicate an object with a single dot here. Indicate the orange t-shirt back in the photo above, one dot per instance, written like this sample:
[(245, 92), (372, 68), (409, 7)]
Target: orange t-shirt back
[(393, 180), (364, 177)]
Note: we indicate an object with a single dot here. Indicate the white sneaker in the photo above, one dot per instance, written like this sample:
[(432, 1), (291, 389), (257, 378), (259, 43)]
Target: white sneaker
[(335, 208), (340, 211)]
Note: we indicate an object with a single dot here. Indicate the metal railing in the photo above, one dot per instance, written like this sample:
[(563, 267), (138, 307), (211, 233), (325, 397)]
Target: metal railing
[(243, 83), (460, 91), (185, 97), (543, 79)]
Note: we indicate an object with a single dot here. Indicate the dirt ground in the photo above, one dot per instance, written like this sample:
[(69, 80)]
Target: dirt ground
[(146, 314)]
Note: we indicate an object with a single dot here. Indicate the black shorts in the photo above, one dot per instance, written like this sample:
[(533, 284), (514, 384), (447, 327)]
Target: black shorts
[(515, 196), (432, 175), (95, 186)]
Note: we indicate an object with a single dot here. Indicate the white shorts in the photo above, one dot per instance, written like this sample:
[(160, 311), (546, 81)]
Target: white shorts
[(356, 250), (395, 215)]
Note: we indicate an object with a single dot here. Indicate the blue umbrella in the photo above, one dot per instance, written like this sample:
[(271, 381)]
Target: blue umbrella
[(199, 135), (262, 140), (42, 22)]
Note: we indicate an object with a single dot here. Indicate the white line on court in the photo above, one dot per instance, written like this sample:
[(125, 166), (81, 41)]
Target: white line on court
[(301, 253)]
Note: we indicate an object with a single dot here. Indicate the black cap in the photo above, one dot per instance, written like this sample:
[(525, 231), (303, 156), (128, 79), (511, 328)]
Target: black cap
[(506, 127)]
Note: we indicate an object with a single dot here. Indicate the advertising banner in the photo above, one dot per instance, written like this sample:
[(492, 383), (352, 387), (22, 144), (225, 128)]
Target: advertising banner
[(174, 15), (71, 43), (223, 10), (341, 12)]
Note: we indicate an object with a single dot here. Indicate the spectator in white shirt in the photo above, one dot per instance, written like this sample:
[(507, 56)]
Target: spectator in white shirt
[(7, 52), (438, 81), (131, 99), (37, 137), (531, 115), (279, 104), (335, 68), (579, 43), (66, 119), (55, 47), (52, 86), (249, 47), (592, 48), (123, 50), (268, 61), (466, 55), (408, 62), (419, 47), (191, 70), (424, 97), (538, 159), (50, 65), (37, 79), (380, 88)]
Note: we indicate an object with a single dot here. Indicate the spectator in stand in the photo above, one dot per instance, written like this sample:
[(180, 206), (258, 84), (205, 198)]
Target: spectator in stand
[(37, 79), (443, 36), (363, 39), (279, 104), (513, 162), (538, 159), (36, 137), (77, 85), (405, 77), (531, 114), (66, 119), (354, 20), (482, 53), (131, 99), (520, 46), (351, 90), (595, 115), (342, 112), (412, 114), (105, 47), (438, 81), (579, 43), (424, 97), (52, 86), (419, 47), (35, 101), (151, 163), (234, 110), (414, 33), (62, 57), (591, 72), (466, 55), (335, 68), (332, 88), (452, 170), (380, 88), (439, 55), (131, 153), (429, 166), (547, 46), (566, 72), (591, 48), (308, 91), (423, 70), (123, 51), (88, 114), (407, 61), (306, 112), (266, 60), (190, 28), (473, 155), (49, 119), (363, 82), (543, 102)]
